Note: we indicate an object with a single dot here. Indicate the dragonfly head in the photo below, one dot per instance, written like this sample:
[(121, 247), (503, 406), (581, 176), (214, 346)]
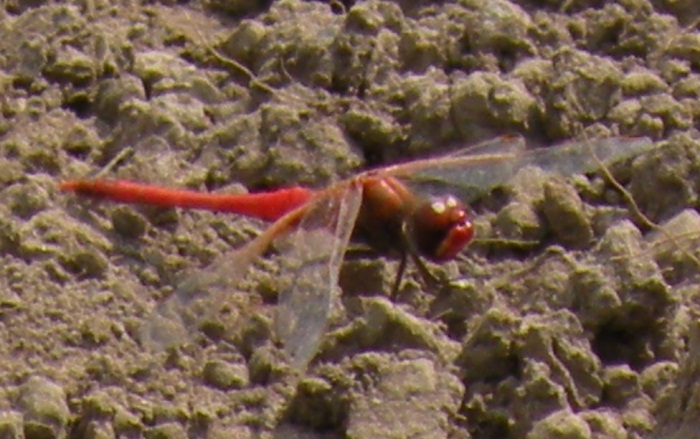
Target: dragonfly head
[(440, 228)]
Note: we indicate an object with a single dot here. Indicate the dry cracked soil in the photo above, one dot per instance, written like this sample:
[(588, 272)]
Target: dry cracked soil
[(570, 316)]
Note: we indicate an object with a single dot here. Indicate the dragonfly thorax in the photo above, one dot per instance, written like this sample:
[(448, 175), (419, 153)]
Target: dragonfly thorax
[(439, 228)]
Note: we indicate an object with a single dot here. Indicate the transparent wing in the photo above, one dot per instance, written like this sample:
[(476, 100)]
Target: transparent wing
[(312, 261), (580, 157), (472, 174), (177, 318), (498, 145)]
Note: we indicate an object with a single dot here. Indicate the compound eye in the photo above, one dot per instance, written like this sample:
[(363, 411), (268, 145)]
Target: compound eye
[(440, 228)]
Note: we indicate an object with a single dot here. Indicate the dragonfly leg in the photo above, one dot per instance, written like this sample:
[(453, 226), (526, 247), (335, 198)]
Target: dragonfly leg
[(399, 275), (428, 277), (409, 248)]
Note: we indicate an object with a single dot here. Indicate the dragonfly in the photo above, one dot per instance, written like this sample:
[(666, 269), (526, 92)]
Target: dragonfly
[(416, 210)]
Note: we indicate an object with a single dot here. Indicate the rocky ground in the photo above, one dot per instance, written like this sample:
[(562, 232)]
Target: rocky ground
[(571, 317)]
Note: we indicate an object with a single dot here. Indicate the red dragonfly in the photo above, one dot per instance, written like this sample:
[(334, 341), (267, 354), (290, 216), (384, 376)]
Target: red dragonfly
[(381, 207)]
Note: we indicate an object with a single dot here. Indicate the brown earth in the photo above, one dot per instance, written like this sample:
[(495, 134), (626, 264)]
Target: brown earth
[(590, 333)]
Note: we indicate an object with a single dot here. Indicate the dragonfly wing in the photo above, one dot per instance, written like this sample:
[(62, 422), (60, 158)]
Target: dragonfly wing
[(470, 176), (176, 319), (468, 172), (313, 261), (498, 145), (580, 157)]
